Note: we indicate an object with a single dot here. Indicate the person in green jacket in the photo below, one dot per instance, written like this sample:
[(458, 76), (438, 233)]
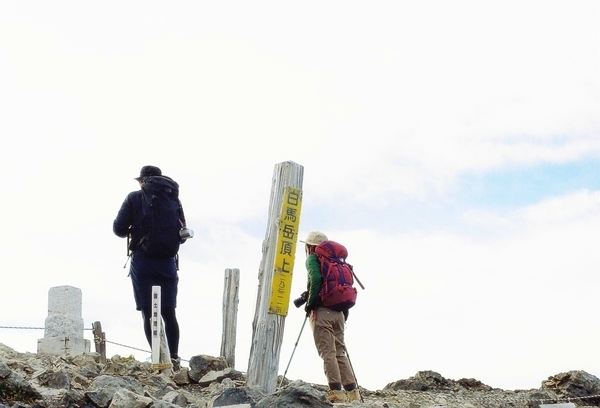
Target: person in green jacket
[(328, 330)]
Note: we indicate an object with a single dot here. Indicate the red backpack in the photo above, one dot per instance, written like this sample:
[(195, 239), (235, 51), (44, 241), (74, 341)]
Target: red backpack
[(337, 291)]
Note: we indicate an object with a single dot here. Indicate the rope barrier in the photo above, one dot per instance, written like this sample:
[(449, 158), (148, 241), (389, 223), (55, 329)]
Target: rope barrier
[(160, 366), (123, 345), (567, 399), (28, 328), (486, 399), (97, 340)]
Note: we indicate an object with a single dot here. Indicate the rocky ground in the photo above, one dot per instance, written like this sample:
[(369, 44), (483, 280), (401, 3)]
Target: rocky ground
[(28, 380)]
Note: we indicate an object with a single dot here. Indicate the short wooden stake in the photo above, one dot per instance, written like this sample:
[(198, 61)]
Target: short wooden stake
[(230, 308), (99, 341)]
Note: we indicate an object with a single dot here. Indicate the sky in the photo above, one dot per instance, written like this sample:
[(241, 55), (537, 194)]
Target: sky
[(452, 147)]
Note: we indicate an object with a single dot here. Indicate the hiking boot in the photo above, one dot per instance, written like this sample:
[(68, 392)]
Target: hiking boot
[(336, 396), (353, 395), (176, 363)]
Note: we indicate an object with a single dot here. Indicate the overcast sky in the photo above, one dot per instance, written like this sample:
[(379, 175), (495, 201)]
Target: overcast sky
[(453, 147)]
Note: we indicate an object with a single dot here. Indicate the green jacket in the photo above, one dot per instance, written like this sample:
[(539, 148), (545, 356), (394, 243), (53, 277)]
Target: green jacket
[(313, 266)]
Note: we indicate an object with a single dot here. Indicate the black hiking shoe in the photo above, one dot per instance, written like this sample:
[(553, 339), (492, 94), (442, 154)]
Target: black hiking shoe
[(176, 363)]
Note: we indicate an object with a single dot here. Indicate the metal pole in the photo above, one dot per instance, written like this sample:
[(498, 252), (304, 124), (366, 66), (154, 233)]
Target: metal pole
[(353, 373), (293, 351)]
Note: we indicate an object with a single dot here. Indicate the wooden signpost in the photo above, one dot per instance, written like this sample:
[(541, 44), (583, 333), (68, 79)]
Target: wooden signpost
[(275, 276)]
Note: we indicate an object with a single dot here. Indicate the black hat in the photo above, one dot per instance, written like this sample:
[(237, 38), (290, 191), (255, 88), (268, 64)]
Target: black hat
[(148, 171)]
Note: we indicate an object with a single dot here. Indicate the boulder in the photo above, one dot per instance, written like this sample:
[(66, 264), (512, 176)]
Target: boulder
[(239, 396), (124, 398), (297, 394), (201, 365), (422, 381), (13, 387), (577, 385), (103, 388), (218, 376)]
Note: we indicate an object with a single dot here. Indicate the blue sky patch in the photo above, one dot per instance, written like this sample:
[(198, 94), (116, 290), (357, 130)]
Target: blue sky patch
[(515, 188)]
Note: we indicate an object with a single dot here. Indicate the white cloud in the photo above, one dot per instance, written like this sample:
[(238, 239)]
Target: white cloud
[(571, 208)]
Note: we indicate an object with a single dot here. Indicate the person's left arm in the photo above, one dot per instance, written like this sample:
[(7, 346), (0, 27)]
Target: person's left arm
[(124, 219), (313, 266)]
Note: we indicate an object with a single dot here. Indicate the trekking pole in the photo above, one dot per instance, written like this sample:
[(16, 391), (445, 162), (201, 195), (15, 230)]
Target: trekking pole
[(293, 351), (128, 251), (356, 277), (353, 373), (358, 280)]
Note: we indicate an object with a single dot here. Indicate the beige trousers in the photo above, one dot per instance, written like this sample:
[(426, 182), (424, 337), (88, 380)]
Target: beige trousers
[(328, 332)]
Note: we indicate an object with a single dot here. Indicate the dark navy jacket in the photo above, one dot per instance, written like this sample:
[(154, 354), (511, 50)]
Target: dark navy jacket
[(129, 219)]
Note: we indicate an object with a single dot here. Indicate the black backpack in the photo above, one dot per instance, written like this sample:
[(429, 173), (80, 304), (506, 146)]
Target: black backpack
[(162, 217)]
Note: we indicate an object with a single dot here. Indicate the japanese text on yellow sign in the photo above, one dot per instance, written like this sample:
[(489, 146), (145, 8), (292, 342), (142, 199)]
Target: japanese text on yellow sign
[(285, 251)]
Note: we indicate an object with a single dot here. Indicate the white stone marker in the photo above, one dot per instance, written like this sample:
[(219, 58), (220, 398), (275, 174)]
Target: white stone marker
[(63, 334)]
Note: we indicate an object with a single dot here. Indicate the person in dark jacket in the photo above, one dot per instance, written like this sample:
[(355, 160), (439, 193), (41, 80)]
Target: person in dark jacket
[(146, 271)]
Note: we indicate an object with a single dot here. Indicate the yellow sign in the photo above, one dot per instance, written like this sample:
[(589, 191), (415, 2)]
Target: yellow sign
[(286, 251)]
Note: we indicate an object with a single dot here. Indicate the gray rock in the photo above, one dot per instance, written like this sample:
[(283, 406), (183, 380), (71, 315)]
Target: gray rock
[(201, 365), (423, 381), (575, 384), (126, 399), (163, 404), (103, 388), (296, 395), (158, 385), (13, 387), (218, 376), (182, 377), (472, 384), (541, 397), (69, 398), (238, 396), (4, 370), (175, 398), (59, 379)]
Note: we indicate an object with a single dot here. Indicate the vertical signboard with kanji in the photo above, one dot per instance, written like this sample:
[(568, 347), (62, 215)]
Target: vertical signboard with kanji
[(285, 251), (155, 323)]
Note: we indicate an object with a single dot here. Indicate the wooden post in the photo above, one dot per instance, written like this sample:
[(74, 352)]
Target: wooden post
[(272, 302), (99, 341), (230, 308)]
